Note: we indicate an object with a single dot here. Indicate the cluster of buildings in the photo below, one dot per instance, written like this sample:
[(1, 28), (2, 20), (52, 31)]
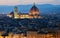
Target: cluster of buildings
[(34, 13), (31, 34)]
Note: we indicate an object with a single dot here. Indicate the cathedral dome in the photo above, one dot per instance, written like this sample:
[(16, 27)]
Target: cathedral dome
[(34, 10)]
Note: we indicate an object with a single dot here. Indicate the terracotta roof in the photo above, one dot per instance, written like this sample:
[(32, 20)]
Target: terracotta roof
[(34, 8)]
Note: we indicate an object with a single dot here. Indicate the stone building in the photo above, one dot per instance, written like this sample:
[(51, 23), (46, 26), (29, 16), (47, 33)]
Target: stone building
[(34, 13)]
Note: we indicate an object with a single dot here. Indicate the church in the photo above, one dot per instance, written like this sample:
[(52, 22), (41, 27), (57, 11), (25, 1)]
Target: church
[(33, 13)]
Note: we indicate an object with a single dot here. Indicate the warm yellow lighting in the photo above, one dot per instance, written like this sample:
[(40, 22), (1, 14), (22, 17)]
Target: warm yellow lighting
[(15, 17), (9, 15), (6, 37), (25, 37), (24, 16), (31, 35), (1, 36)]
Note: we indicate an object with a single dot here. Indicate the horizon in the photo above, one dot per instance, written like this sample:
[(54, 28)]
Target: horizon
[(30, 4), (6, 6), (27, 2), (22, 8)]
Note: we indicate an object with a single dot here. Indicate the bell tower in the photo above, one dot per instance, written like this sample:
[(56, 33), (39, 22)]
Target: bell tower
[(15, 12)]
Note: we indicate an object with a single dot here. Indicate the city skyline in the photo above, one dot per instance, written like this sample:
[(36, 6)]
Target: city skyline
[(6, 6), (29, 18), (26, 2)]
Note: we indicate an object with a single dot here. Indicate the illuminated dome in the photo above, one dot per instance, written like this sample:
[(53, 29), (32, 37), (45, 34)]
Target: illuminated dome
[(34, 10)]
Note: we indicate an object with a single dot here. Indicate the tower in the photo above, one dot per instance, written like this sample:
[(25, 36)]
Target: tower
[(15, 12), (34, 11)]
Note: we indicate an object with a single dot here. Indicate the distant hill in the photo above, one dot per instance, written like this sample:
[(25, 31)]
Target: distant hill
[(45, 8)]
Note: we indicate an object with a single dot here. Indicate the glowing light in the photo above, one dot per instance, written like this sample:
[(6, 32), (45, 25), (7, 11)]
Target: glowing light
[(25, 37)]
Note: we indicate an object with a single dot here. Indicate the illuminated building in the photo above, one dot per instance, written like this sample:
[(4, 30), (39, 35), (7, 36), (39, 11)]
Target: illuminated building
[(15, 12), (34, 13), (33, 34)]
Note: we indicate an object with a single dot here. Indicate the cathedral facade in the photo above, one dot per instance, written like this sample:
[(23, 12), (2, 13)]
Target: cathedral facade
[(34, 13)]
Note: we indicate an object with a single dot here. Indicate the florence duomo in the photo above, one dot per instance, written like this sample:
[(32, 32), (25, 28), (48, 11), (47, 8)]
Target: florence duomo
[(33, 13), (29, 19)]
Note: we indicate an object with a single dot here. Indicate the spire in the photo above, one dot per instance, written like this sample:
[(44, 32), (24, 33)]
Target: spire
[(34, 7), (34, 3)]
